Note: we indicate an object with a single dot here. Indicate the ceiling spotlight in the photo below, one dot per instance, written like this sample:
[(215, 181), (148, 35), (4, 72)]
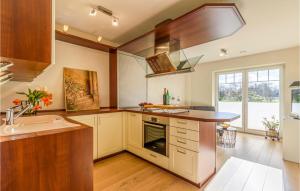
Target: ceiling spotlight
[(115, 21), (223, 52), (93, 12), (99, 38), (65, 28)]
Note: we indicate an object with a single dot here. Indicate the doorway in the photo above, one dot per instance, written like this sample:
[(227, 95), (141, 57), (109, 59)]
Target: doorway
[(254, 94)]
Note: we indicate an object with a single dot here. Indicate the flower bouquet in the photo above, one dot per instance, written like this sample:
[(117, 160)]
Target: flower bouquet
[(35, 98)]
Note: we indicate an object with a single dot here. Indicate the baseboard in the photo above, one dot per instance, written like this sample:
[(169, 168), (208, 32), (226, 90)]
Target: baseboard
[(109, 156)]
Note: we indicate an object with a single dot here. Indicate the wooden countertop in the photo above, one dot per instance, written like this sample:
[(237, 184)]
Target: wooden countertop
[(197, 115)]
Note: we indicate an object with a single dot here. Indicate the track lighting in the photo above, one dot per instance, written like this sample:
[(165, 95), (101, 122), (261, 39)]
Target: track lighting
[(95, 9)]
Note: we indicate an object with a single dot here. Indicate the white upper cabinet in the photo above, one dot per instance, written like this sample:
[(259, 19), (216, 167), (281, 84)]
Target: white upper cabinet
[(90, 120), (110, 133), (135, 130)]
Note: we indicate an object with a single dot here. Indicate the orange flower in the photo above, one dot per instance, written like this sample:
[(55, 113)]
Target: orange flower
[(47, 100), (37, 107), (17, 101)]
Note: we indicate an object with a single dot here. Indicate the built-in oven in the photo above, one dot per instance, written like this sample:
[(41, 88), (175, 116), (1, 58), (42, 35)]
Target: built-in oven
[(156, 133)]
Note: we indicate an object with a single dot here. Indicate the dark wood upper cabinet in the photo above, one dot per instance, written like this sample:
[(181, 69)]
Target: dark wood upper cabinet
[(207, 23), (26, 31)]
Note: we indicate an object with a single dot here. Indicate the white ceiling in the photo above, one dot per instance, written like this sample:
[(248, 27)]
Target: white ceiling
[(270, 24)]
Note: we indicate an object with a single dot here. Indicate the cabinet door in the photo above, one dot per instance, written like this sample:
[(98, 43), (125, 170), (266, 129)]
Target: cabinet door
[(135, 130), (25, 40), (110, 133), (183, 162), (89, 120)]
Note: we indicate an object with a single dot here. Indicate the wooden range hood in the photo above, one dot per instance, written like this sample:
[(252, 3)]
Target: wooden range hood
[(209, 22)]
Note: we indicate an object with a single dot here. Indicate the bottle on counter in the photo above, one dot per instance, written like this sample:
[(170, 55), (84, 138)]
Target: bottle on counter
[(165, 97), (168, 98)]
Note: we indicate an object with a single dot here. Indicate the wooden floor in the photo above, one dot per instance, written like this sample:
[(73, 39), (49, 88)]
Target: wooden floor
[(127, 172)]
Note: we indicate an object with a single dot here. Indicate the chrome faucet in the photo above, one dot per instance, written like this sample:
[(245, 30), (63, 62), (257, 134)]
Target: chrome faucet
[(10, 113)]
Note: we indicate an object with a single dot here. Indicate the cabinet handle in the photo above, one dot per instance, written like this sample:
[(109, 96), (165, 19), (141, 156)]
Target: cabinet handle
[(133, 115), (182, 122), (182, 152), (153, 155), (181, 132), (183, 142)]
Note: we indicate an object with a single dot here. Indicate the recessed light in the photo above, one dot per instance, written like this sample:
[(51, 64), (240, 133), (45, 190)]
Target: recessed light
[(99, 38), (223, 52), (93, 12), (65, 28), (115, 21)]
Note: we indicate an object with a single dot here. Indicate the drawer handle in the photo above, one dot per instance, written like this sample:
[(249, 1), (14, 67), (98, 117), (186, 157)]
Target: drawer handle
[(182, 152), (183, 142), (182, 122), (153, 155), (181, 132), (133, 115)]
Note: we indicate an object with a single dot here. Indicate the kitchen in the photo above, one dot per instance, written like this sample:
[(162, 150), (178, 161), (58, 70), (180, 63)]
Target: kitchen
[(181, 109)]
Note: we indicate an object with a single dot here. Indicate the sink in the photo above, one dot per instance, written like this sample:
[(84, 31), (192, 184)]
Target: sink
[(33, 124)]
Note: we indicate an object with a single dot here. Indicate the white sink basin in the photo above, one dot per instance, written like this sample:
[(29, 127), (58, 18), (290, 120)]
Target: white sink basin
[(32, 124)]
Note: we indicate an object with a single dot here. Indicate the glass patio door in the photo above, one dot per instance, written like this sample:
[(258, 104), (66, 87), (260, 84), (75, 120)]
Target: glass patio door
[(254, 94), (230, 95), (263, 97)]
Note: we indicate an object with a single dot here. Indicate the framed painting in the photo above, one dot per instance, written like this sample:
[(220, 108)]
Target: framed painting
[(81, 90)]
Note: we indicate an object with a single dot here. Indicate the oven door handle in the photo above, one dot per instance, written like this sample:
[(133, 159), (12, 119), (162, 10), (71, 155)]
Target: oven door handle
[(153, 125)]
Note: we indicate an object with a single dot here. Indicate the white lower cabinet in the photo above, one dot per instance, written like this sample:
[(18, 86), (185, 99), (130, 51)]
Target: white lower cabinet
[(107, 132), (90, 120), (183, 162), (110, 133), (134, 130)]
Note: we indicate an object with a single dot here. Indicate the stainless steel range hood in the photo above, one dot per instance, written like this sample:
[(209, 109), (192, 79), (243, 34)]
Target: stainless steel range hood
[(169, 59)]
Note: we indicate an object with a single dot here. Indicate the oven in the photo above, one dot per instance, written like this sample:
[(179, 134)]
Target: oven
[(156, 134)]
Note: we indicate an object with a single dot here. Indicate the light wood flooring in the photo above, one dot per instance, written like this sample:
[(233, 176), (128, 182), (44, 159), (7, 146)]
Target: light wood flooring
[(126, 172)]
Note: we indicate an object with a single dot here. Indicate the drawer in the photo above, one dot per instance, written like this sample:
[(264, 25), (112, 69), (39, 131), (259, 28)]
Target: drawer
[(187, 124), (184, 133), (156, 158), (184, 163), (185, 143)]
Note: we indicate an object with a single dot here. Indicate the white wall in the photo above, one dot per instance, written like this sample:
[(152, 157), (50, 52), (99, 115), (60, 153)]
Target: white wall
[(176, 84), (132, 84), (67, 55), (134, 88)]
